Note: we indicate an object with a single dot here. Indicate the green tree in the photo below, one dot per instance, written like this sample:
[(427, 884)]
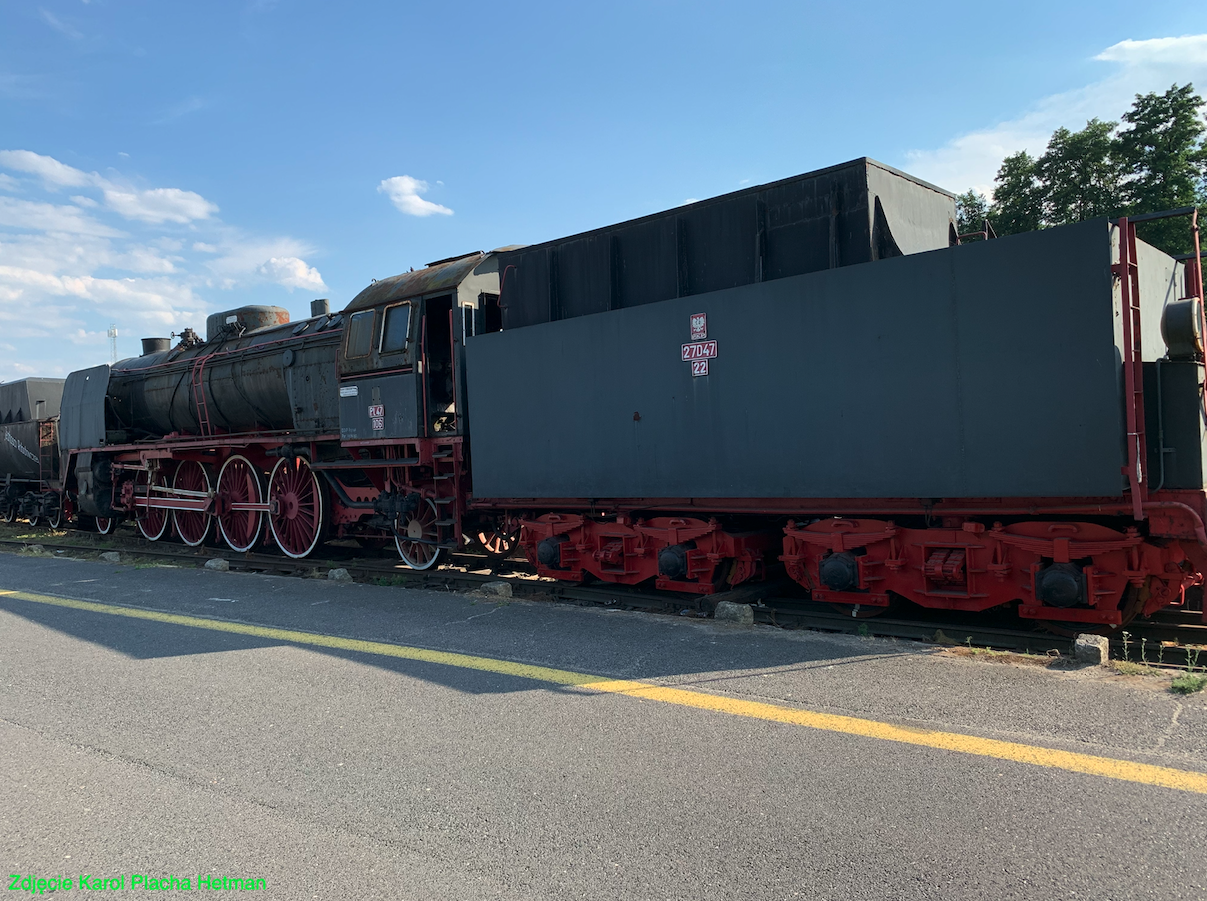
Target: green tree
[(1017, 196), (972, 209), (1080, 174), (1166, 158)]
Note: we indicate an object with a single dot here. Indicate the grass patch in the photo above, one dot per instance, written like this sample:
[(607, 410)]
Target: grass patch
[(989, 655), (1188, 683), (394, 581), (1127, 668)]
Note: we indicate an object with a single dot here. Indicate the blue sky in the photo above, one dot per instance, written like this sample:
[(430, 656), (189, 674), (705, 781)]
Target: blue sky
[(162, 160)]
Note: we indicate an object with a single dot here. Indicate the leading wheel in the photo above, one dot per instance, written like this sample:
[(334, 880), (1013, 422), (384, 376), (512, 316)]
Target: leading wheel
[(297, 503), (9, 514), (152, 521), (106, 524), (34, 519), (239, 483), (496, 542), (192, 525), (55, 518), (416, 537)]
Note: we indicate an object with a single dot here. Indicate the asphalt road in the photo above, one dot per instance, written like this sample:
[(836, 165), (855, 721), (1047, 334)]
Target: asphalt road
[(135, 746)]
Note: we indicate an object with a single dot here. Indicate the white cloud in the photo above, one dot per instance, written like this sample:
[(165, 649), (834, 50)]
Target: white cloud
[(404, 191), (972, 160), (32, 214), (160, 205), (67, 269), (143, 259), (47, 168), (60, 26), (292, 273), (1190, 48), (155, 205)]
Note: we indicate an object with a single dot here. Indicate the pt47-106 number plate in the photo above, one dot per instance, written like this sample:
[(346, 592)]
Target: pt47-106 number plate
[(699, 350)]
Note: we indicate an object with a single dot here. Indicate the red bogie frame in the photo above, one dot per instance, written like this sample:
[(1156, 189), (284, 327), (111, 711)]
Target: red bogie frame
[(969, 567), (626, 551)]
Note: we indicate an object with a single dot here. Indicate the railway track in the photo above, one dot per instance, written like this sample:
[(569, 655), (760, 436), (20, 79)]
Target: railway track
[(1174, 638)]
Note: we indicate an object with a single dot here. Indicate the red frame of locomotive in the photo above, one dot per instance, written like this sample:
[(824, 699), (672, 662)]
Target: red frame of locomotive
[(965, 560)]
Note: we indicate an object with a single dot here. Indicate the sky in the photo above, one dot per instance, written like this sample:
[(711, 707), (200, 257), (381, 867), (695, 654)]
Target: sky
[(160, 161)]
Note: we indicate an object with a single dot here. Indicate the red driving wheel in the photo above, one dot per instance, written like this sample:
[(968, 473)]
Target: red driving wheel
[(239, 483), (192, 525), (297, 504)]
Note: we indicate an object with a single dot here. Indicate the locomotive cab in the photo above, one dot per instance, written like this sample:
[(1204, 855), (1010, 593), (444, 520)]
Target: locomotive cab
[(402, 370)]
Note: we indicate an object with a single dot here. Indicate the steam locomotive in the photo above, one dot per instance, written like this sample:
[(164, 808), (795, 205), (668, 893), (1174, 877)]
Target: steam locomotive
[(883, 406)]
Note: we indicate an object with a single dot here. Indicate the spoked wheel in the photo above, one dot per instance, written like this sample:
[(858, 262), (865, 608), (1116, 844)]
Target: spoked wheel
[(34, 519), (496, 541), (105, 524), (416, 537), (55, 518), (297, 501), (191, 525), (239, 483), (9, 514), (152, 521)]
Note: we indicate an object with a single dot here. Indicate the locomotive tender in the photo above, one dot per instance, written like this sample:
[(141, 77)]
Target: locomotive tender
[(857, 394)]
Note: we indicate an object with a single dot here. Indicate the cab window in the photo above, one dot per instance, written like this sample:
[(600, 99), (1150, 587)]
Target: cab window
[(360, 334), (396, 329)]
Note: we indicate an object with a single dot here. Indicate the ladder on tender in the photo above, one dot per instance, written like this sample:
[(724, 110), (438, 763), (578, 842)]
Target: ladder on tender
[(1128, 274)]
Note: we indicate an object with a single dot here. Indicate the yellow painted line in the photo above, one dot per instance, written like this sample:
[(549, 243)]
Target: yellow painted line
[(1126, 770)]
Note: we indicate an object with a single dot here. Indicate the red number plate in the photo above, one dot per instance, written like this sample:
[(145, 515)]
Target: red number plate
[(700, 350), (377, 410)]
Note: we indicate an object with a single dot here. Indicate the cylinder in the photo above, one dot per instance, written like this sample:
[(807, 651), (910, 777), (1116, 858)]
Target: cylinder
[(155, 345), (320, 307)]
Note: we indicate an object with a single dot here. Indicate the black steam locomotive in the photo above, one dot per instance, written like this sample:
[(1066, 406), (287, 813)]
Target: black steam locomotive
[(861, 394)]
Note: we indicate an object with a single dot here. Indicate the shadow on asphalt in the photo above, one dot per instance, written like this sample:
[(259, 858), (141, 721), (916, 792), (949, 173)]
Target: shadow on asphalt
[(593, 641)]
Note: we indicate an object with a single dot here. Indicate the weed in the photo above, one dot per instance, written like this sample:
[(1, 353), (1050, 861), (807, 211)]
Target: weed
[(863, 629), (1192, 658), (1127, 654), (1188, 683), (1127, 668), (1144, 652)]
